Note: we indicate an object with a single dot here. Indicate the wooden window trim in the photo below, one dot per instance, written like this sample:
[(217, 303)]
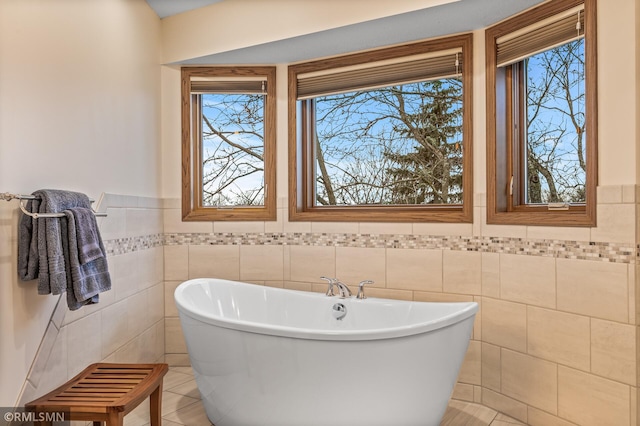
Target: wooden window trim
[(500, 207), (300, 185), (192, 208)]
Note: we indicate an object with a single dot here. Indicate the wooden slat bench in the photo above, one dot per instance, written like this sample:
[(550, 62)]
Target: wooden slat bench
[(105, 393)]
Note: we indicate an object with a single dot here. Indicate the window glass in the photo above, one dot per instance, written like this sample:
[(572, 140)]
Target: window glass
[(232, 150), (388, 146), (554, 156)]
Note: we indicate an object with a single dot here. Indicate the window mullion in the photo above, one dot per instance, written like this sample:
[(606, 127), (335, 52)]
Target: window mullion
[(521, 134), (311, 155), (512, 179), (196, 102)]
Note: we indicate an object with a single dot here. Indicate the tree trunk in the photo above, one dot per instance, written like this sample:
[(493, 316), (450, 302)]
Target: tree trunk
[(326, 180)]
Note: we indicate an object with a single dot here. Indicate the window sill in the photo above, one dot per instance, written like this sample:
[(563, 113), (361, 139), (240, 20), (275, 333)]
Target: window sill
[(568, 218), (229, 214), (382, 214)]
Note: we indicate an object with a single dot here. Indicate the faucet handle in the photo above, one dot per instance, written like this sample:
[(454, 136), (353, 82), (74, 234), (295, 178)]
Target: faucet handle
[(361, 289), (331, 282)]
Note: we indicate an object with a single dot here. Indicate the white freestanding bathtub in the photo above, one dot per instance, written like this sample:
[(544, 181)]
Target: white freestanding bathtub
[(264, 356)]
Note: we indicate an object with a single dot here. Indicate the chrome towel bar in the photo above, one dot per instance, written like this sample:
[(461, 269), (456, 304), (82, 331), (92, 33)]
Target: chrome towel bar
[(7, 196)]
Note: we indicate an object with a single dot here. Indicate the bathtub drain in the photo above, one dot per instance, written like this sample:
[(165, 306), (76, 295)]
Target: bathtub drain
[(339, 311)]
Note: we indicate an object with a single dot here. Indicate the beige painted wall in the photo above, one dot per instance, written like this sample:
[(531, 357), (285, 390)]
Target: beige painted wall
[(79, 110), (637, 116), (617, 91), (251, 22)]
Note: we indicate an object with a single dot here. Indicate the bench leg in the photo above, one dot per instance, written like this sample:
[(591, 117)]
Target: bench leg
[(116, 418), (155, 406)]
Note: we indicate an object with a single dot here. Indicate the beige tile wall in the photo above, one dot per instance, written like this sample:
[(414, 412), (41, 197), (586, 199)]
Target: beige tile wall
[(127, 325), (555, 341)]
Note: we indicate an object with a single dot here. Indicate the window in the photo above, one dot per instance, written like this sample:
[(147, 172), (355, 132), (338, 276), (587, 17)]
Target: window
[(228, 143), (541, 116), (383, 135)]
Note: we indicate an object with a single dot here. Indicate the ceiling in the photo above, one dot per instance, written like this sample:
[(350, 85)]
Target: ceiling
[(450, 18), (166, 8)]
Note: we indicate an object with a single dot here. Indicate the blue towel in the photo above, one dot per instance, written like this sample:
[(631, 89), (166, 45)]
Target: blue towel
[(44, 259), (85, 280), (88, 235), (28, 250), (44, 249)]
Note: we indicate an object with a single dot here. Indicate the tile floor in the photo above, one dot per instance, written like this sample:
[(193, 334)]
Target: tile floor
[(181, 406)]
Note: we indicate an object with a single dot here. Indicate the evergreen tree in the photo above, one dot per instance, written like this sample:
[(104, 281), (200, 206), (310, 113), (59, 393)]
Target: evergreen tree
[(432, 172)]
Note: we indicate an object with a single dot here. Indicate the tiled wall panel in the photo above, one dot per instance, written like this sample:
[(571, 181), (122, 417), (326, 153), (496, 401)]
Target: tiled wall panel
[(555, 341), (127, 325)]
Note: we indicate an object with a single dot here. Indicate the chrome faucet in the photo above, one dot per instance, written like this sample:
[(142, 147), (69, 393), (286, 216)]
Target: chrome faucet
[(361, 289), (343, 289)]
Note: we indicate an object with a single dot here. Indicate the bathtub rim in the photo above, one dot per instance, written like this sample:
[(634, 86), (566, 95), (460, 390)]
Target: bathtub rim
[(466, 310)]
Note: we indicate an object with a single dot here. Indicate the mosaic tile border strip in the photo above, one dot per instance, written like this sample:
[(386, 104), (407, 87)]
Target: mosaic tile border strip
[(585, 250), (131, 244), (606, 252)]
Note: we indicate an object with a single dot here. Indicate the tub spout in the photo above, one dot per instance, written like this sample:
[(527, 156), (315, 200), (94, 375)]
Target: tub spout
[(343, 289)]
